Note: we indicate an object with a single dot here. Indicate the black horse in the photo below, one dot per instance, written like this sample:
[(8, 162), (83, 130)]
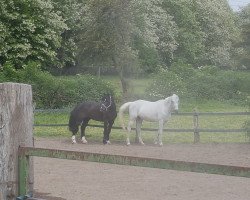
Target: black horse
[(104, 111)]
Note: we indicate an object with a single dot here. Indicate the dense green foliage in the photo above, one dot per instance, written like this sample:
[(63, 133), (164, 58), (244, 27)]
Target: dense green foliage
[(57, 92), (244, 20), (137, 34), (206, 31), (29, 31), (204, 83), (198, 84)]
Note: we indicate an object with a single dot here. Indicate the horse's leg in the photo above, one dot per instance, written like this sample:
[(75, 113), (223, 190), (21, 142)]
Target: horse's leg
[(74, 132), (105, 132), (138, 129), (161, 124), (83, 127), (110, 124), (157, 137), (130, 123), (73, 138)]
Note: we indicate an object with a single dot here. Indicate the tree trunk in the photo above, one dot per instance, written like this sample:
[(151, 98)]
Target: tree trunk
[(124, 82), (16, 128)]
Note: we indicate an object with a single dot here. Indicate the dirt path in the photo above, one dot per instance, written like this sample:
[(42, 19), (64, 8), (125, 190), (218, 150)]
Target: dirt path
[(76, 180)]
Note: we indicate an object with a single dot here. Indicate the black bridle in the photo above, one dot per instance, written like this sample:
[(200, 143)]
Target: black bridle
[(104, 106)]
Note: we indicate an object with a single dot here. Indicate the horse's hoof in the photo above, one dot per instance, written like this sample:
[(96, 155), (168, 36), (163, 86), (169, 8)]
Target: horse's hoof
[(73, 139), (127, 141), (108, 142), (105, 142), (84, 141), (141, 142)]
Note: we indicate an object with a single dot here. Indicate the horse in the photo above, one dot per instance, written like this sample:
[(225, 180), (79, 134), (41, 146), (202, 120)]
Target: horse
[(104, 111), (149, 111)]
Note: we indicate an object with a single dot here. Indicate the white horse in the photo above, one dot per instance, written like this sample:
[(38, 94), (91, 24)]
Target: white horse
[(149, 111)]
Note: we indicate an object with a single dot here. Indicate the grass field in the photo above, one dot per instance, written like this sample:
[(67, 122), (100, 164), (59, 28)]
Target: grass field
[(137, 88), (182, 122)]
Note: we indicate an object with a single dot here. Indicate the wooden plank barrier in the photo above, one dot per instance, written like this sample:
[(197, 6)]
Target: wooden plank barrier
[(26, 152)]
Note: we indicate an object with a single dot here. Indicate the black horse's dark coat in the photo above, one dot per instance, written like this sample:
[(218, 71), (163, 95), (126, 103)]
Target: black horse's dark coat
[(104, 111)]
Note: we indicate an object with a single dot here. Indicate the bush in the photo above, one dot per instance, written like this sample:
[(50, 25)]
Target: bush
[(203, 86), (8, 73), (84, 88), (211, 83), (207, 82), (165, 84), (182, 70), (54, 92)]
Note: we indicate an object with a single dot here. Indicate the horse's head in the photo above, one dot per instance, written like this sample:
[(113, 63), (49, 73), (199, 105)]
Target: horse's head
[(175, 102), (106, 102)]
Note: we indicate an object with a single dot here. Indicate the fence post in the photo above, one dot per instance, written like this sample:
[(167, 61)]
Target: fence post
[(16, 128), (23, 175), (196, 126)]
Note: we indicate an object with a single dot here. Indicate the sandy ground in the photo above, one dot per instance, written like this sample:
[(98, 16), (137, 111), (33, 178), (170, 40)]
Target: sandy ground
[(57, 179)]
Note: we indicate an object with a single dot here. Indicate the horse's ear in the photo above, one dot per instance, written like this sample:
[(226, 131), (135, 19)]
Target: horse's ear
[(103, 97)]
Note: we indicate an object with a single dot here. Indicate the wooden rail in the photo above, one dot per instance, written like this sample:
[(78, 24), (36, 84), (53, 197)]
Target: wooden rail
[(24, 154)]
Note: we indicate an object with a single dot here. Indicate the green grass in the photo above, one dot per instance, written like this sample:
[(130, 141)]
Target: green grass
[(137, 89)]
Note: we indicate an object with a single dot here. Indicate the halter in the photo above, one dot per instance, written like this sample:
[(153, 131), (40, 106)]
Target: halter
[(106, 107)]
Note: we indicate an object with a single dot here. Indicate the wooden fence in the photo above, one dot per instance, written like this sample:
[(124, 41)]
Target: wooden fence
[(25, 153), (195, 129)]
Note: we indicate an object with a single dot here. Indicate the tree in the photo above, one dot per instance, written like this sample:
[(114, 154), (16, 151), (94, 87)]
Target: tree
[(114, 27), (244, 20), (217, 22), (29, 31), (190, 37), (157, 29), (72, 12), (105, 39)]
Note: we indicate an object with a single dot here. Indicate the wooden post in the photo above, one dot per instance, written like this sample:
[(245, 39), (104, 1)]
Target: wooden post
[(16, 129), (196, 127), (99, 72), (23, 175)]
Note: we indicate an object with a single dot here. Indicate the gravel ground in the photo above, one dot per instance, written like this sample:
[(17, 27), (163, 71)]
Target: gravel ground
[(57, 179)]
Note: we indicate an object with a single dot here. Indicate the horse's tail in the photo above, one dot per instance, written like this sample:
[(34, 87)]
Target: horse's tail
[(122, 109), (73, 127)]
